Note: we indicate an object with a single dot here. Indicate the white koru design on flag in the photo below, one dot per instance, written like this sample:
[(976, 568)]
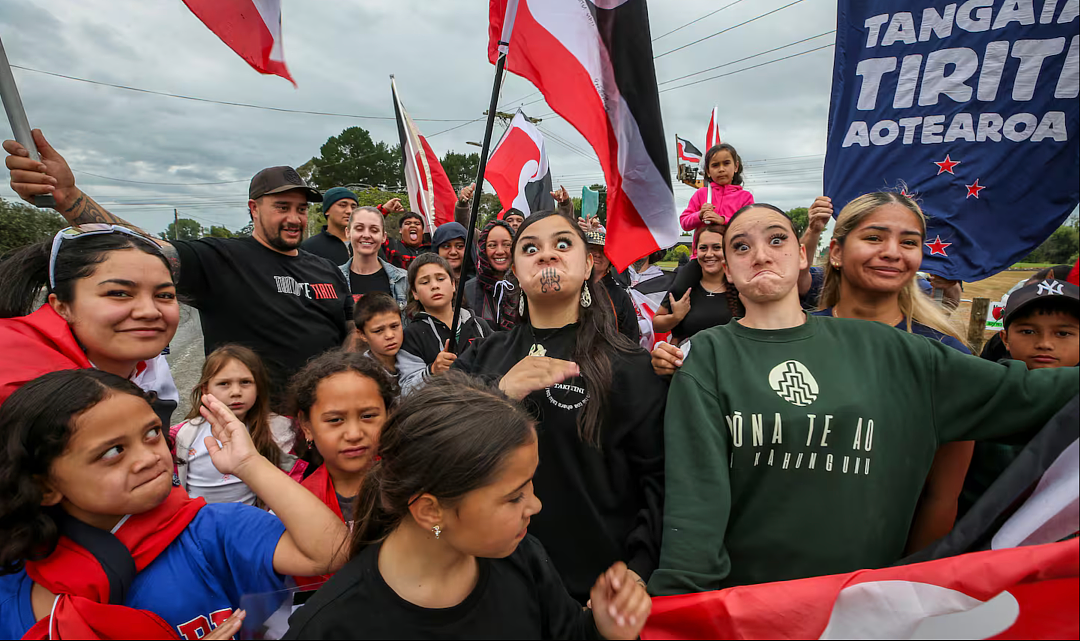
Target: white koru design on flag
[(1050, 288), (794, 383)]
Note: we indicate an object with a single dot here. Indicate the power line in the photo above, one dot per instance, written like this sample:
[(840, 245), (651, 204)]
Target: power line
[(696, 20), (728, 64), (227, 102), (143, 182), (759, 17), (731, 73)]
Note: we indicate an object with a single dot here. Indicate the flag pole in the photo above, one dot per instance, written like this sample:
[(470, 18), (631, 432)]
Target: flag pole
[(470, 232), (16, 115)]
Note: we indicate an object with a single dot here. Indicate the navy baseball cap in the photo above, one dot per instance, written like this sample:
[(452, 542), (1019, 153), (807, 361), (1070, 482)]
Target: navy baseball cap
[(1030, 294)]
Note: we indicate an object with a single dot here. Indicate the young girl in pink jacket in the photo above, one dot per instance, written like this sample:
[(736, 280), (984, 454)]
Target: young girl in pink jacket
[(722, 194)]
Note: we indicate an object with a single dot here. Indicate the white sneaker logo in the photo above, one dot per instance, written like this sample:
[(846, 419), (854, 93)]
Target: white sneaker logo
[(794, 383)]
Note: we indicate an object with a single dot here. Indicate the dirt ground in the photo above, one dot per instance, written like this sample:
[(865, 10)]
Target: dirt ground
[(992, 288)]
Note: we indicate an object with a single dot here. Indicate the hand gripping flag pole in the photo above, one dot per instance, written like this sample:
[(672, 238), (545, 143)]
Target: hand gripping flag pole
[(20, 126), (500, 65)]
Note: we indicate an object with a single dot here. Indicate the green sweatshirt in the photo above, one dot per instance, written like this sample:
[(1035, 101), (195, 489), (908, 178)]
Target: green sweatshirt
[(802, 452)]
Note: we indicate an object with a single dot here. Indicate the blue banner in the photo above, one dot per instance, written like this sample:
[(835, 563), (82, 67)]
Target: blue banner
[(971, 108)]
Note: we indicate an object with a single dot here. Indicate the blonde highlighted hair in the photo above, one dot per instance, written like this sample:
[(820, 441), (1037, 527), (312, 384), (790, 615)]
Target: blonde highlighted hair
[(916, 306)]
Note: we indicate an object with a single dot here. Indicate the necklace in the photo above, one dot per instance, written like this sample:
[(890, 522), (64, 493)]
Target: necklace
[(710, 293)]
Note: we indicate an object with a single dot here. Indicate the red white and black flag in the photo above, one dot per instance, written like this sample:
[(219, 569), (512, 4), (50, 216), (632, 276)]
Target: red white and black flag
[(518, 168), (686, 151), (430, 193), (251, 28), (712, 134), (592, 61)]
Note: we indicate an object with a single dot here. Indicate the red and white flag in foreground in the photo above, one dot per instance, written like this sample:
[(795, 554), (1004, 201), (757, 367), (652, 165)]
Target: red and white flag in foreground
[(712, 134), (251, 28), (430, 193), (1016, 593), (592, 61), (518, 168)]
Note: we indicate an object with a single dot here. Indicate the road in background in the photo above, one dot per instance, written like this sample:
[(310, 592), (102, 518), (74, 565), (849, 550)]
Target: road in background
[(186, 358)]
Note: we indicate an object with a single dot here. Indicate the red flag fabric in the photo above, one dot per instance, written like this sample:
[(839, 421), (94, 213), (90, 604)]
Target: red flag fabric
[(430, 193), (1074, 275), (1016, 593), (518, 168), (593, 63), (251, 28), (712, 134)]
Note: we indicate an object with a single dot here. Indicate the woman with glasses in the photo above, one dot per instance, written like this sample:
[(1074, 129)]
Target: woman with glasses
[(110, 303)]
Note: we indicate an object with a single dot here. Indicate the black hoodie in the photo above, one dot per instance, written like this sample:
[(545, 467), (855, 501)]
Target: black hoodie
[(424, 339), (599, 505)]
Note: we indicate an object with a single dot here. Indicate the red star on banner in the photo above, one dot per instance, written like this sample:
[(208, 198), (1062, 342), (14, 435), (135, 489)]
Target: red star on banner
[(937, 247), (974, 189), (946, 165), (903, 192)]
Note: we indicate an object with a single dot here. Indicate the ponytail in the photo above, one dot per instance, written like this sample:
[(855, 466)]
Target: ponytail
[(446, 439)]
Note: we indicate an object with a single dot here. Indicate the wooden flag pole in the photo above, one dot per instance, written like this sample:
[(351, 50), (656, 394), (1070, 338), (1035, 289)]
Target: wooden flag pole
[(16, 115), (470, 232)]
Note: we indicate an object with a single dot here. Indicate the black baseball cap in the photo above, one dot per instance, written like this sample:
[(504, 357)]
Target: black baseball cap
[(274, 180), (1035, 292)]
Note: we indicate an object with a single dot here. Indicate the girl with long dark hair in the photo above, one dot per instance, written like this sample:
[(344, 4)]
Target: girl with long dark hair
[(598, 407), (493, 294)]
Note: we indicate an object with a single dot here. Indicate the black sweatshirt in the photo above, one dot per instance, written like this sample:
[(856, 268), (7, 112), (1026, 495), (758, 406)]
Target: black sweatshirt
[(623, 308), (519, 597), (599, 505), (424, 339)]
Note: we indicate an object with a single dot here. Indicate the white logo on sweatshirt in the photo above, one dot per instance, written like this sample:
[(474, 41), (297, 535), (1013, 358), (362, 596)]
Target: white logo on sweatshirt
[(794, 383)]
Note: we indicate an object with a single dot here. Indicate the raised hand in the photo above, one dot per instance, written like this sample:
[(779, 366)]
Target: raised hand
[(666, 358), (535, 373), (620, 603), (393, 206), (560, 194), (236, 450), (467, 192), (31, 178), (680, 308), (444, 360), (228, 628), (819, 214)]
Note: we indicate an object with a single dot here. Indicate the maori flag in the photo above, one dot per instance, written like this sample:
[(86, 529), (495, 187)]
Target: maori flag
[(712, 134), (592, 61), (686, 151), (518, 168), (430, 193), (251, 28)]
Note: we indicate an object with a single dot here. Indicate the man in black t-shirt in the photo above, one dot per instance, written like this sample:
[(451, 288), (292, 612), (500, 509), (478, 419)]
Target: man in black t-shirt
[(262, 292)]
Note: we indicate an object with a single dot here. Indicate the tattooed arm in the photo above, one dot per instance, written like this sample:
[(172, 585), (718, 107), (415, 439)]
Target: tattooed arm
[(52, 175)]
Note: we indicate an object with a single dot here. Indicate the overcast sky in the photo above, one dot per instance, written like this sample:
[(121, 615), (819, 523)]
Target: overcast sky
[(341, 53)]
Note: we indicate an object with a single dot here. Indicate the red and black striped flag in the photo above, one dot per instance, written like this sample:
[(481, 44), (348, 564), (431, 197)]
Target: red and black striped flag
[(592, 61), (686, 151)]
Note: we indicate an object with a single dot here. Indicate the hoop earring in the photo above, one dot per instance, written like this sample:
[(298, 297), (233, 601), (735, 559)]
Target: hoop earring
[(586, 297), (437, 530)]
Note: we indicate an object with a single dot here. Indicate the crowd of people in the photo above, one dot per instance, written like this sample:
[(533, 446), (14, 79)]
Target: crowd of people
[(363, 459)]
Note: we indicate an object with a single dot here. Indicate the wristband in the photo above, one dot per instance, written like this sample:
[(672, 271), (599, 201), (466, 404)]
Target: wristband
[(381, 210)]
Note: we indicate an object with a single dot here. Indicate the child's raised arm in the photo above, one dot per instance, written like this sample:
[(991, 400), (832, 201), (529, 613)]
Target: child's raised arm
[(315, 538)]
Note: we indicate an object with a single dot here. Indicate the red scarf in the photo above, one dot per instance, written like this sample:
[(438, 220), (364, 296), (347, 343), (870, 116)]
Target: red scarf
[(322, 486), (82, 609)]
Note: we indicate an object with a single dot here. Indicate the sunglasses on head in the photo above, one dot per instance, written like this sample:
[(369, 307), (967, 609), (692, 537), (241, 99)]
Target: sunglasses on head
[(83, 231)]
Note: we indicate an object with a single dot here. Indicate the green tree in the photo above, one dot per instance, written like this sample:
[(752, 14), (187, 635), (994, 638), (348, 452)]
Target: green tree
[(1062, 245), (801, 217), (353, 158), (21, 225), (188, 230), (220, 231), (460, 168)]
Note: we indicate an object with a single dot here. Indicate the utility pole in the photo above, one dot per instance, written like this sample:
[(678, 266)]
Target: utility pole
[(175, 224)]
